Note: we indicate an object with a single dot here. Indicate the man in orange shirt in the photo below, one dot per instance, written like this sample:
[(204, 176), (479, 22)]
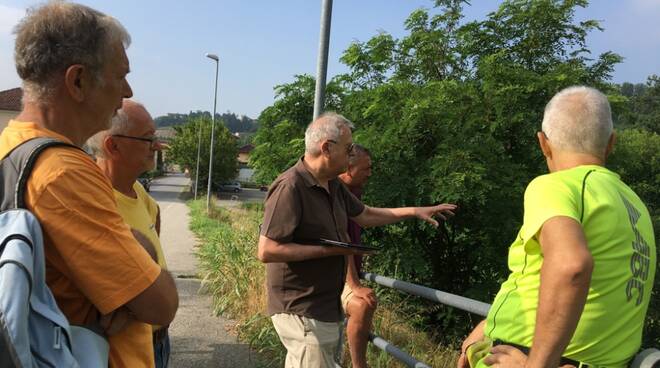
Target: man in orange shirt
[(72, 61)]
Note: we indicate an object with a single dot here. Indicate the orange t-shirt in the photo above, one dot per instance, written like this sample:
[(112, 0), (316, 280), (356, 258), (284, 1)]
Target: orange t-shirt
[(92, 259)]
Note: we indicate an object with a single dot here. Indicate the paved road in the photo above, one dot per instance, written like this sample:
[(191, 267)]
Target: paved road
[(245, 195), (248, 195), (199, 339)]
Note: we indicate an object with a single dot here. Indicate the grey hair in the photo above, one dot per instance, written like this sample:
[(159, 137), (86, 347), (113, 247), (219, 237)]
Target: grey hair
[(578, 119), (359, 151), (326, 126), (119, 124), (54, 36)]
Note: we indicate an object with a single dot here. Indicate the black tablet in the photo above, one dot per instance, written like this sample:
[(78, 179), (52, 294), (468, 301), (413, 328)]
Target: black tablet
[(337, 243)]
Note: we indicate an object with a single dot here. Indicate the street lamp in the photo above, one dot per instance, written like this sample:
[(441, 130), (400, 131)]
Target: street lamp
[(215, 100), (199, 148)]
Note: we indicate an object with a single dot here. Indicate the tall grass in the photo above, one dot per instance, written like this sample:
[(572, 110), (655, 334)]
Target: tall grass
[(235, 278)]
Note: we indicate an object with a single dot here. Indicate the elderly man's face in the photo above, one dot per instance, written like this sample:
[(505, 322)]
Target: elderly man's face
[(360, 171), (340, 151), (106, 98), (138, 144)]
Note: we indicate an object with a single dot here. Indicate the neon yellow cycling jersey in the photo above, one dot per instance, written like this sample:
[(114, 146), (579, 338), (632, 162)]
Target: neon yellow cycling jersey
[(620, 238)]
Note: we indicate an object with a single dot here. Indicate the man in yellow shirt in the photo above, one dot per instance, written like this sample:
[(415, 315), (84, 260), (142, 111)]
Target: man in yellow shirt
[(73, 64), (583, 263), (123, 152)]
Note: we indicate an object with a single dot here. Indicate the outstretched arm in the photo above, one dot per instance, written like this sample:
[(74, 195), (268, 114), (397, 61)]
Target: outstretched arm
[(374, 216)]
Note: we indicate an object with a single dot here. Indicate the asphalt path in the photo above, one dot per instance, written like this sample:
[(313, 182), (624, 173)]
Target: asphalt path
[(248, 195), (198, 338)]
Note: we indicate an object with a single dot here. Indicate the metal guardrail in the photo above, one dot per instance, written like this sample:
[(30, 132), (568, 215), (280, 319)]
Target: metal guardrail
[(648, 358), (456, 301), (394, 351)]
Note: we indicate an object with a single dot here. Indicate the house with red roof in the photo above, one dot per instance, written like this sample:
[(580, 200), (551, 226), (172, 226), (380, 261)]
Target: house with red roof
[(10, 105)]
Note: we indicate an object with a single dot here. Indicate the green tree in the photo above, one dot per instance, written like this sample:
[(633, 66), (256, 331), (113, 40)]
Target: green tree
[(645, 105), (449, 112), (279, 142), (183, 151), (232, 121)]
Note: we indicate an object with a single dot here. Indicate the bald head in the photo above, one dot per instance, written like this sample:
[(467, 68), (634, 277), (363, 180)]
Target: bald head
[(132, 113), (578, 119)]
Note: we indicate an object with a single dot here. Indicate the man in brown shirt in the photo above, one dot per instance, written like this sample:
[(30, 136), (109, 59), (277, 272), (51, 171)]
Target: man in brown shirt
[(305, 281)]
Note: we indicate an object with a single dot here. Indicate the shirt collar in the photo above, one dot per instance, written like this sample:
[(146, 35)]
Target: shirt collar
[(307, 176), (309, 179)]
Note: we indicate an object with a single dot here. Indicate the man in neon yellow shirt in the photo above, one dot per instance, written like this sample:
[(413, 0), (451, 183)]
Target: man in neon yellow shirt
[(123, 152), (583, 263)]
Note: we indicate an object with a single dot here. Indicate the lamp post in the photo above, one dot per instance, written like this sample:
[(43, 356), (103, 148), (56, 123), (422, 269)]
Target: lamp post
[(215, 100), (199, 148)]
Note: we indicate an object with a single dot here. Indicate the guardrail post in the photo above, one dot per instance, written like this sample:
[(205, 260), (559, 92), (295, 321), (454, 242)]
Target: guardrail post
[(648, 358)]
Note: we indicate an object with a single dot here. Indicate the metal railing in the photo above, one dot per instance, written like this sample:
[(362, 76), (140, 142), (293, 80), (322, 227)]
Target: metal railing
[(649, 358)]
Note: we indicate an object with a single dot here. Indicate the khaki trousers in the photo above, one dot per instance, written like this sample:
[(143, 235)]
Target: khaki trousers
[(309, 343)]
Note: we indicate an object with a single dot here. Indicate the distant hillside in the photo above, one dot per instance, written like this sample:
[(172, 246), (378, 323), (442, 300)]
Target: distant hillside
[(233, 122)]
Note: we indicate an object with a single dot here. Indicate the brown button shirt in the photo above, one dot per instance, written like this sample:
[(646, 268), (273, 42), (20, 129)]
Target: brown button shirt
[(297, 208)]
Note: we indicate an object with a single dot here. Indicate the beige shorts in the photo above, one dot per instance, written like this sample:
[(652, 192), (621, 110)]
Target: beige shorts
[(309, 343), (346, 296)]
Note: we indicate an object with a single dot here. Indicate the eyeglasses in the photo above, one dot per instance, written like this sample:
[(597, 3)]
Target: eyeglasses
[(153, 141), (349, 148)]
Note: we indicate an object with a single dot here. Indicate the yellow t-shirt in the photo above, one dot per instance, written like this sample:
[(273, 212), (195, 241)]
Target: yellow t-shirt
[(140, 213), (620, 237), (92, 259)]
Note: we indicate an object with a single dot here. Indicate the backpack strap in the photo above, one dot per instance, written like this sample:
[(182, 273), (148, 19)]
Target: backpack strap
[(17, 167)]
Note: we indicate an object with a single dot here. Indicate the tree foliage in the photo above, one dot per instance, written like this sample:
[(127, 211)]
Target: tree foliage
[(642, 105), (183, 151), (280, 141), (233, 122), (449, 112)]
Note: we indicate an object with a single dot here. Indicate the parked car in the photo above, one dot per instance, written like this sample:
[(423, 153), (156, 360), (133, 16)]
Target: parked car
[(146, 183), (231, 186)]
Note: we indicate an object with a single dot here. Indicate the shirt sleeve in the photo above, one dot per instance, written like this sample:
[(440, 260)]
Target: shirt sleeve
[(546, 197), (282, 213), (79, 216)]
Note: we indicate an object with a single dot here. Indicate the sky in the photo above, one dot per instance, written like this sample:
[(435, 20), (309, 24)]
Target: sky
[(263, 43)]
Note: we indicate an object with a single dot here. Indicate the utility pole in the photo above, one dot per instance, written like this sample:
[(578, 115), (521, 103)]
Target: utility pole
[(322, 64)]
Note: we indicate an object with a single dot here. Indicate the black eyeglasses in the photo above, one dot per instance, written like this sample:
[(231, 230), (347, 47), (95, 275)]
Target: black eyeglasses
[(349, 148), (152, 140)]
